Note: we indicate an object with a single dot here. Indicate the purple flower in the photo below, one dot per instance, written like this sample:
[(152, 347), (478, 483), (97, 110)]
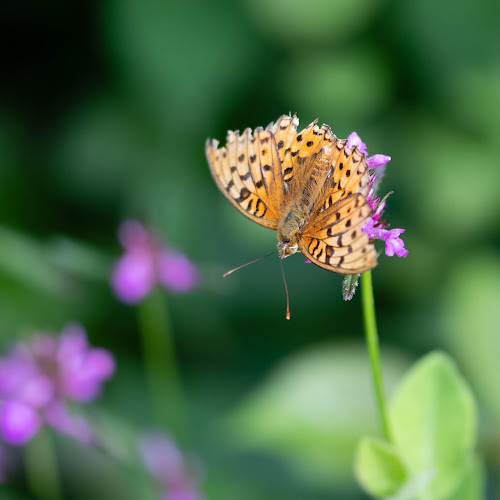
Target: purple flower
[(37, 380), (146, 263), (19, 422), (377, 161), (375, 228), (353, 140), (167, 466), (393, 244)]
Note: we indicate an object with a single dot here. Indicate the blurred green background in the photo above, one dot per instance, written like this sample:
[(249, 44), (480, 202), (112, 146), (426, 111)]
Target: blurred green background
[(104, 110)]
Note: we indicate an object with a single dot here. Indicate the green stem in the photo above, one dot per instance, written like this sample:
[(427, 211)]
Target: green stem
[(41, 467), (161, 366), (373, 348)]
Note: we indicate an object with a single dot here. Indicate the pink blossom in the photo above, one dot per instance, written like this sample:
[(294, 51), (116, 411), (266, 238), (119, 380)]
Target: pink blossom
[(375, 228), (393, 244), (377, 161), (167, 466), (146, 263), (353, 140), (19, 422), (38, 379), (176, 272)]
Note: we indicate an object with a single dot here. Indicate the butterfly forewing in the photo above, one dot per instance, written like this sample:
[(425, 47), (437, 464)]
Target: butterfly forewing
[(285, 132), (335, 241), (245, 172)]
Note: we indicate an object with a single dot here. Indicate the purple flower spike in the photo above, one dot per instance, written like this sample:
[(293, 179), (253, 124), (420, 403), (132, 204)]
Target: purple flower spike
[(165, 463), (376, 226), (82, 369), (132, 235), (377, 161), (185, 491), (394, 244), (133, 277), (18, 422), (58, 417), (355, 140), (37, 380), (175, 271), (146, 263)]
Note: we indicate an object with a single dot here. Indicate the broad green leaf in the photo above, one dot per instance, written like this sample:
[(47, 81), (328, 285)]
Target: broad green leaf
[(379, 467), (471, 487), (433, 420), (312, 411)]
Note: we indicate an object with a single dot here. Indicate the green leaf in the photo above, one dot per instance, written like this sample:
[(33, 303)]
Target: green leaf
[(433, 419), (472, 484), (312, 411), (379, 467)]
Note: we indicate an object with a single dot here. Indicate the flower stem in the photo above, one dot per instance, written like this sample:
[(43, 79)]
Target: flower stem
[(41, 467), (161, 365), (373, 348)]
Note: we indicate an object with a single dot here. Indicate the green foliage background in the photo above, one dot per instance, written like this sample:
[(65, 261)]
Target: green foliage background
[(104, 110)]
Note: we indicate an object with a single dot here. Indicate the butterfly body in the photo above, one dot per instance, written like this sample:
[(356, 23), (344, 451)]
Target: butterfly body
[(305, 185), (302, 202)]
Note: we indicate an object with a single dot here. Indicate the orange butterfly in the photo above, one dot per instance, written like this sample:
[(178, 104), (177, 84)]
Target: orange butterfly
[(308, 186)]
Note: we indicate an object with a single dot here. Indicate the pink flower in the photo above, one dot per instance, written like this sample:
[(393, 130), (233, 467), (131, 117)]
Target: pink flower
[(38, 379), (375, 228), (82, 369), (19, 422), (393, 244), (353, 140), (146, 263), (167, 466), (377, 161)]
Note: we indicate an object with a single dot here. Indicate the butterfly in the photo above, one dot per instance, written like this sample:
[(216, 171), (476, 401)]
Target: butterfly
[(308, 186)]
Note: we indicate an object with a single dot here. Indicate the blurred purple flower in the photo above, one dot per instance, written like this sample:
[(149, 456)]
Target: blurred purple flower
[(19, 422), (147, 263), (37, 380), (167, 466), (375, 228)]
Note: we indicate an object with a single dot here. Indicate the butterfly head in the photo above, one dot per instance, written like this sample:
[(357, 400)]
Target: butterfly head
[(286, 248)]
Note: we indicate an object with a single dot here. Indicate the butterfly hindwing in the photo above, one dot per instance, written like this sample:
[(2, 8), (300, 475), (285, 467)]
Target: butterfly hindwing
[(349, 176), (246, 172), (334, 240)]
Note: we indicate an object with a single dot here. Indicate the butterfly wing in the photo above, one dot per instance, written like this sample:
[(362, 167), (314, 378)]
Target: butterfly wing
[(295, 148), (349, 176), (248, 172), (334, 240)]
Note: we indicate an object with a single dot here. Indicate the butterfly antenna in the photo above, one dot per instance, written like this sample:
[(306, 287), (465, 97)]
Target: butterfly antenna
[(286, 290), (225, 275)]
